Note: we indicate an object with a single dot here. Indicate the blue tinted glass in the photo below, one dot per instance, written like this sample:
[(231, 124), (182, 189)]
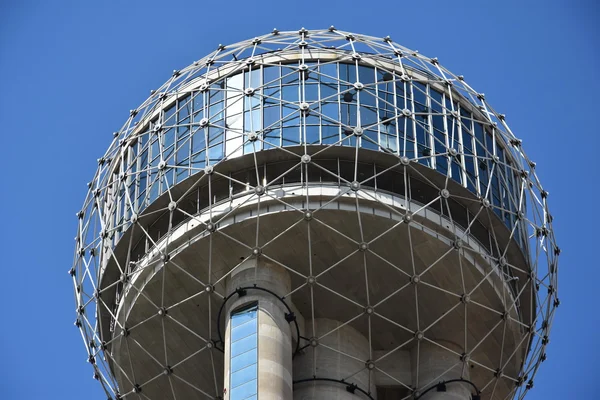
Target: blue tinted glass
[(243, 330), (244, 355), (243, 360), (243, 376), (244, 391)]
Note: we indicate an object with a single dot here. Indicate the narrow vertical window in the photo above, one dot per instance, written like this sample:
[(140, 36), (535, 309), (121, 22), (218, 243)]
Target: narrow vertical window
[(244, 354)]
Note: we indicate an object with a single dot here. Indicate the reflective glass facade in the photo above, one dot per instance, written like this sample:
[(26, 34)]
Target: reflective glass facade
[(243, 380), (427, 122)]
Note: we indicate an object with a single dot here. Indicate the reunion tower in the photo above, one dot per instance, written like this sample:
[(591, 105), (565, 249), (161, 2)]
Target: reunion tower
[(315, 214)]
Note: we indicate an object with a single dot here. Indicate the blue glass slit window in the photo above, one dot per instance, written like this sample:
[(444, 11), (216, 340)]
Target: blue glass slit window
[(243, 367)]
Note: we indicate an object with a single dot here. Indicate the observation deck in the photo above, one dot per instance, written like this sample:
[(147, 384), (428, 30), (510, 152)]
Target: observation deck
[(374, 195)]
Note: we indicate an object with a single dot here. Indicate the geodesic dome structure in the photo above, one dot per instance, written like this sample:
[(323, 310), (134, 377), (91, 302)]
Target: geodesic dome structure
[(342, 183)]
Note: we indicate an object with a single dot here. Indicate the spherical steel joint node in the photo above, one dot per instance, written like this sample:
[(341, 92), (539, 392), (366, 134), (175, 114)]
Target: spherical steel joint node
[(209, 288), (249, 91), (256, 252), (303, 44), (252, 136), (358, 131), (369, 310), (458, 244), (305, 159), (355, 186), (364, 246), (209, 170), (464, 357), (250, 61), (416, 394), (502, 262), (166, 258), (259, 190), (314, 342), (331, 28), (203, 122), (358, 86), (445, 193), (209, 345), (137, 388), (308, 216), (304, 106), (162, 311), (405, 78), (498, 373), (168, 370), (303, 67), (210, 227), (465, 298), (370, 365), (415, 279), (172, 206), (387, 39), (125, 332), (408, 217), (406, 112), (356, 56), (485, 203), (495, 159), (311, 280), (453, 152), (162, 165), (404, 160)]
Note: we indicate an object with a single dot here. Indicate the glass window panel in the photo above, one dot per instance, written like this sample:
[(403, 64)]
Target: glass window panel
[(244, 391), (348, 73), (290, 94), (328, 72), (368, 116), (311, 93), (198, 101), (243, 353), (198, 141), (271, 75), (215, 153), (329, 92), (184, 105), (331, 134), (289, 74), (331, 111), (242, 329), (169, 118), (366, 75), (272, 138), (291, 136), (312, 134), (243, 376), (168, 140)]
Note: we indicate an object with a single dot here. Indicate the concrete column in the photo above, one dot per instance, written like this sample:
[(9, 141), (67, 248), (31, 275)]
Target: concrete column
[(320, 360), (436, 365), (274, 332)]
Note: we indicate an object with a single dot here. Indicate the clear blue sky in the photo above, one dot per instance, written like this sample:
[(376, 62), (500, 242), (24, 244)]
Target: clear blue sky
[(70, 71)]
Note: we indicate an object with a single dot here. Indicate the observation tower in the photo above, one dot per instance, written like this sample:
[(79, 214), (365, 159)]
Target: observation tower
[(315, 214)]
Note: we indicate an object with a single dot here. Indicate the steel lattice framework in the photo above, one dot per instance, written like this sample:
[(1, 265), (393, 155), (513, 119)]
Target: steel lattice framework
[(344, 148)]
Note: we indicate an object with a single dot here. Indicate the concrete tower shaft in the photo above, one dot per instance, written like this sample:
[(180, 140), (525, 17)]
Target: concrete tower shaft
[(315, 215)]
